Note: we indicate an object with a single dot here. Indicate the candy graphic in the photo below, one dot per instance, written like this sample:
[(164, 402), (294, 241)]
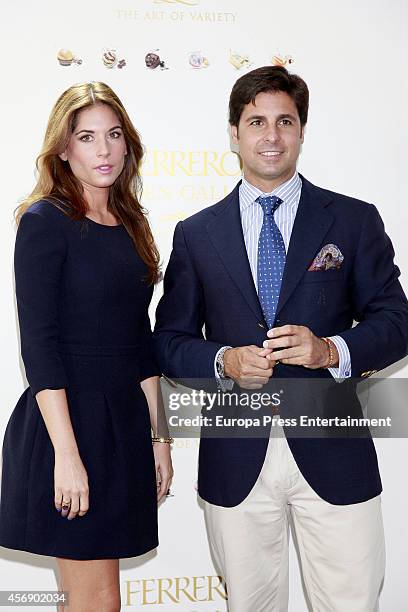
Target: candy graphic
[(197, 60), (239, 61), (280, 60), (109, 58), (65, 57), (153, 61)]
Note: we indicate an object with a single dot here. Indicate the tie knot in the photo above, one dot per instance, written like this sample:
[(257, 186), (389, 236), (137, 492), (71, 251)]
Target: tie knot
[(269, 204)]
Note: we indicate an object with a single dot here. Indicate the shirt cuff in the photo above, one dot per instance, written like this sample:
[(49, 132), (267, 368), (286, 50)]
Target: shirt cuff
[(225, 384), (344, 368)]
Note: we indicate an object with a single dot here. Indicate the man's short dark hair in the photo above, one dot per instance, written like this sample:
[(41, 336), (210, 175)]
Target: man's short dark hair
[(266, 79)]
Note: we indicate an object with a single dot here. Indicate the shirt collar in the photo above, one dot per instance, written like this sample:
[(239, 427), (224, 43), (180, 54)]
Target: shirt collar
[(289, 192)]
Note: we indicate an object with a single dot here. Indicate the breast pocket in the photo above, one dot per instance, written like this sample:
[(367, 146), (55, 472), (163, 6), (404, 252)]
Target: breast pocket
[(324, 293), (324, 276)]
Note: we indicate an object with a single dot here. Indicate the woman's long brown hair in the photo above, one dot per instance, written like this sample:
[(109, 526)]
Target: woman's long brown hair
[(57, 184)]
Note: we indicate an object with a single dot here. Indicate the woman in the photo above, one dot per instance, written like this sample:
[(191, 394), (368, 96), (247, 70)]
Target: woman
[(81, 476)]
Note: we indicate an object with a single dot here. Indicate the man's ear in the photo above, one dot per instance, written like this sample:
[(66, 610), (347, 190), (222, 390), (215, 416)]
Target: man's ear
[(234, 134), (63, 156), (302, 134)]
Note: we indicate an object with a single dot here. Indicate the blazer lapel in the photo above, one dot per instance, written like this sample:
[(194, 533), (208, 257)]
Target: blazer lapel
[(312, 223), (225, 232)]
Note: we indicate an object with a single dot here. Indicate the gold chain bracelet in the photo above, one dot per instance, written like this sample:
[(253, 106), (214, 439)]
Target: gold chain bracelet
[(163, 440), (331, 353)]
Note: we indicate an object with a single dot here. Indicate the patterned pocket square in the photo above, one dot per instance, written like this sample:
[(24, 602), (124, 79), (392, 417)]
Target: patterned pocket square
[(329, 258)]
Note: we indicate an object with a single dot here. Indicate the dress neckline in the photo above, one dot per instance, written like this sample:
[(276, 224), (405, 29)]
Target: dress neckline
[(103, 224)]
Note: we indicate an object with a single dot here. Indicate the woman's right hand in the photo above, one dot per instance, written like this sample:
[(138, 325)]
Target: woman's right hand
[(70, 483)]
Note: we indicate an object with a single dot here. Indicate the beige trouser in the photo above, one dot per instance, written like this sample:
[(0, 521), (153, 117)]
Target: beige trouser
[(341, 548)]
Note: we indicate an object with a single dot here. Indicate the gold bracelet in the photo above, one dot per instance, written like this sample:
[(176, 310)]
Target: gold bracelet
[(331, 353), (163, 440)]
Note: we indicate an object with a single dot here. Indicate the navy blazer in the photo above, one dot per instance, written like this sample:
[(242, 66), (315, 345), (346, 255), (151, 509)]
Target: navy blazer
[(208, 285)]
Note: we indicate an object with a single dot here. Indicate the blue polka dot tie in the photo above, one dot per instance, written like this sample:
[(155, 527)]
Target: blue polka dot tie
[(271, 259)]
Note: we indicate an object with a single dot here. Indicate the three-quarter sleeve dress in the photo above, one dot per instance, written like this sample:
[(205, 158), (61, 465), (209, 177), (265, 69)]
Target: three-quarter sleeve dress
[(82, 300)]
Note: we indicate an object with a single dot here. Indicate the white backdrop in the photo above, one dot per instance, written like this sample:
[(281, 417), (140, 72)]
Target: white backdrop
[(352, 55)]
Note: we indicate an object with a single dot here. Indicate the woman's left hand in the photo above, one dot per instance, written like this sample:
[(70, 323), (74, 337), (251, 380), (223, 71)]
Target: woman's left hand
[(164, 468)]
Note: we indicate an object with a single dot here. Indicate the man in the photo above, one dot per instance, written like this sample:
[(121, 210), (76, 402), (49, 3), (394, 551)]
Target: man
[(276, 273)]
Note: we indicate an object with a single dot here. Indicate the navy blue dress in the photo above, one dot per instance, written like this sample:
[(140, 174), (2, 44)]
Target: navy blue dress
[(83, 304)]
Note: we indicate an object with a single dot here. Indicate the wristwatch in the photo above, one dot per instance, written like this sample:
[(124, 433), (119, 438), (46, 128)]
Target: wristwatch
[(219, 362)]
